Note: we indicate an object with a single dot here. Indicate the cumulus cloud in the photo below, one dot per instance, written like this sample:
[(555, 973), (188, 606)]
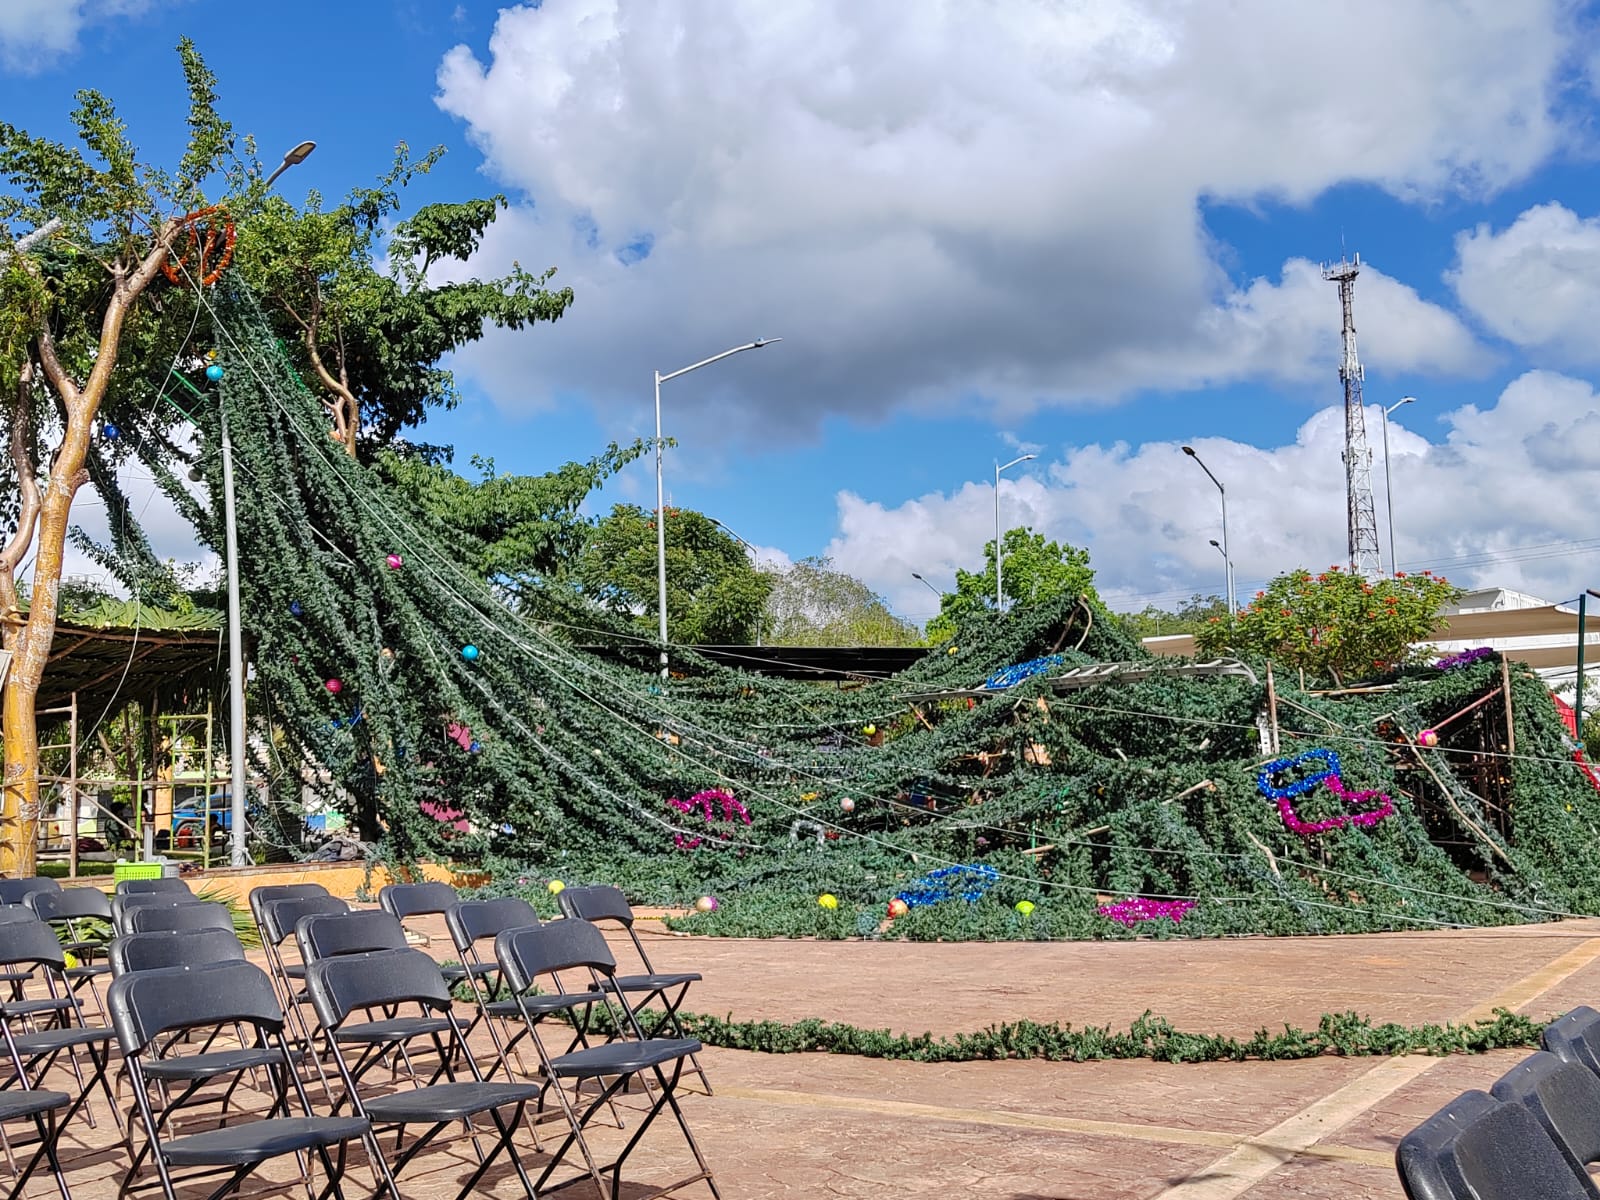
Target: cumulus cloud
[(1485, 505), (995, 202), (34, 34), (1536, 283)]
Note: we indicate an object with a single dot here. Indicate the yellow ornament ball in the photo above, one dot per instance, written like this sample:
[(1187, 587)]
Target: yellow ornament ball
[(952, 650), (556, 886), (1025, 907), (71, 958), (828, 900), (869, 730)]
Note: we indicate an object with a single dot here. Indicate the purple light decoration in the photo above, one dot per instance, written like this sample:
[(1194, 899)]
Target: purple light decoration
[(1131, 912)]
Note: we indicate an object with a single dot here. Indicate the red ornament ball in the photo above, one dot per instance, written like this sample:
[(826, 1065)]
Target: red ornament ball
[(1428, 737), (394, 561), (334, 686), (898, 908)]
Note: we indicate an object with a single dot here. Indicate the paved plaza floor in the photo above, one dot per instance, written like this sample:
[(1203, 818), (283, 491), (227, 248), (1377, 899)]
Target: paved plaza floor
[(818, 1125)]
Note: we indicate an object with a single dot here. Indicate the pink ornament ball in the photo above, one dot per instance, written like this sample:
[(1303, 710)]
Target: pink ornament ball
[(847, 805), (1428, 737), (706, 904), (334, 686), (394, 561)]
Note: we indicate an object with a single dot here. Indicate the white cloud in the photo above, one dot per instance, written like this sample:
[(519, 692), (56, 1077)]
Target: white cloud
[(1486, 506), (34, 34), (994, 202), (1537, 283)]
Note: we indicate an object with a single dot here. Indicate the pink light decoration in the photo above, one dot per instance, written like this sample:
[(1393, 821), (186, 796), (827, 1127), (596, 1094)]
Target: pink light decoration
[(1369, 816), (1131, 912), (702, 801)]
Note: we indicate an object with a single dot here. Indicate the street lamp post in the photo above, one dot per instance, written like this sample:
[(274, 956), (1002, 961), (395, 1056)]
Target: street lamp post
[(999, 595), (1227, 571), (928, 585), (1189, 450), (238, 855), (661, 504), (754, 558), (1388, 489)]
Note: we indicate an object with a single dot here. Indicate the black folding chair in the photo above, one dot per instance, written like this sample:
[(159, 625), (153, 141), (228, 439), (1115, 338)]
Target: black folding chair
[(152, 1011), (422, 900), (26, 1103), (1478, 1148), (81, 917), (50, 1025), (1564, 1097), (123, 907), (328, 935), (345, 985), (277, 922), (601, 905), (528, 954), (157, 918), (1575, 1037), (169, 884), (17, 891), (174, 948)]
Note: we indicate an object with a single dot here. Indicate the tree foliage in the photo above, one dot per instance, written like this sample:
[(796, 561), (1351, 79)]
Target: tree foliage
[(812, 604), (1337, 625), (1191, 616), (1036, 571), (714, 595)]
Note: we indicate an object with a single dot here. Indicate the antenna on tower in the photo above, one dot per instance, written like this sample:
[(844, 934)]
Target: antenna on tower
[(1362, 514)]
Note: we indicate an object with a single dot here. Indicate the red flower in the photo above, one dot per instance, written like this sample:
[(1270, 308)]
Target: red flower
[(1402, 574)]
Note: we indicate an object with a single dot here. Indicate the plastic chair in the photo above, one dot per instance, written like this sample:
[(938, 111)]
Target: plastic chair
[(343, 985), (528, 954), (122, 906), (161, 884), (1575, 1037), (17, 891), (174, 948), (328, 935), (602, 905), (261, 896), (153, 918), (1564, 1096), (422, 900), (83, 915), (1477, 1148), (152, 1009)]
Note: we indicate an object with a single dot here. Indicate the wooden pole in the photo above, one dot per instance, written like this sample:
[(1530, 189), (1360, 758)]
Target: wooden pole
[(1272, 708), (1505, 685), (72, 792)]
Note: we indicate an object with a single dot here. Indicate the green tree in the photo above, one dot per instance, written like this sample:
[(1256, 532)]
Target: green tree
[(714, 595), (814, 605), (1337, 625), (522, 533), (1036, 570), (86, 233), (1192, 615), (372, 339)]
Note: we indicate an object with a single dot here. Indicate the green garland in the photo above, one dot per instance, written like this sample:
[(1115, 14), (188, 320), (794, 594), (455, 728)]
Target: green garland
[(1346, 1034)]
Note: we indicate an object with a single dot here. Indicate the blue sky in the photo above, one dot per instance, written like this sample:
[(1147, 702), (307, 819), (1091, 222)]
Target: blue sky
[(1089, 236)]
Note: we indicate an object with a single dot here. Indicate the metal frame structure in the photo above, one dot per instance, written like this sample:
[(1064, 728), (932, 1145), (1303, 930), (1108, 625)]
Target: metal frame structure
[(1361, 512)]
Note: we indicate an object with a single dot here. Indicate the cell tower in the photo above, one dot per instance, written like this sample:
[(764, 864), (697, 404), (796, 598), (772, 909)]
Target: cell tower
[(1363, 516)]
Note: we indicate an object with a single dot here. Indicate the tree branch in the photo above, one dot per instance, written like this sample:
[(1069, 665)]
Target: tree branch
[(27, 488)]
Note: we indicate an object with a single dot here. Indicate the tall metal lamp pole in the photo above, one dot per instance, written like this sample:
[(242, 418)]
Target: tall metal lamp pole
[(1388, 487), (1189, 450), (999, 595)]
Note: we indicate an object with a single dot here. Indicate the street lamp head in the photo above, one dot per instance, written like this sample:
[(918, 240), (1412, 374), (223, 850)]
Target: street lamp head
[(760, 342), (1408, 399), (299, 154), (1189, 450), (1216, 543)]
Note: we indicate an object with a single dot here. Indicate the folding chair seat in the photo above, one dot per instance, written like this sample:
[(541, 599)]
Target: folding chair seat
[(39, 1107), (123, 907), (1478, 1148), (169, 884), (1575, 1037), (347, 985), (606, 905), (422, 900), (154, 918), (528, 954), (1564, 1096), (17, 891), (152, 1010), (52, 1025)]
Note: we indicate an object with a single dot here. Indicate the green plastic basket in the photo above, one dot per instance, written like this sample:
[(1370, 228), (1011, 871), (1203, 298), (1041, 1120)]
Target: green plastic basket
[(137, 870)]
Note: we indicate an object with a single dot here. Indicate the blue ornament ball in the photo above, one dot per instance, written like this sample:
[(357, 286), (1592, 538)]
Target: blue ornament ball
[(111, 432), (294, 608), (214, 372), (475, 747), (470, 653)]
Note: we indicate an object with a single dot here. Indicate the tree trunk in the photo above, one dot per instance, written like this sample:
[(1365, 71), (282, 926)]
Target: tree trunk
[(21, 813)]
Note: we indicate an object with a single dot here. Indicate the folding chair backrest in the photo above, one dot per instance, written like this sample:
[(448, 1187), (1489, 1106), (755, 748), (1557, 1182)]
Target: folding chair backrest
[(173, 948), (30, 943), (162, 883), (598, 903), (330, 935), (353, 982), (1564, 1096), (123, 906), (1575, 1037), (418, 899), (153, 918), (13, 891), (12, 914), (145, 1004), (526, 953), (261, 896), (1476, 1148), (279, 917), (71, 904), (472, 921)]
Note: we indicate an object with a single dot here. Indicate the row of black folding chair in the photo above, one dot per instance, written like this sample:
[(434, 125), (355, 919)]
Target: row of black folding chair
[(1533, 1136)]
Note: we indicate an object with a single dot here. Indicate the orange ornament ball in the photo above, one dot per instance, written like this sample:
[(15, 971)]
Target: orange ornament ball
[(898, 908)]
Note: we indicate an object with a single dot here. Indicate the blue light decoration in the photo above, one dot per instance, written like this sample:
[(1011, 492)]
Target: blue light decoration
[(961, 881), (110, 431), (214, 372), (1464, 659), (1298, 787), (295, 608), (1011, 676)]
